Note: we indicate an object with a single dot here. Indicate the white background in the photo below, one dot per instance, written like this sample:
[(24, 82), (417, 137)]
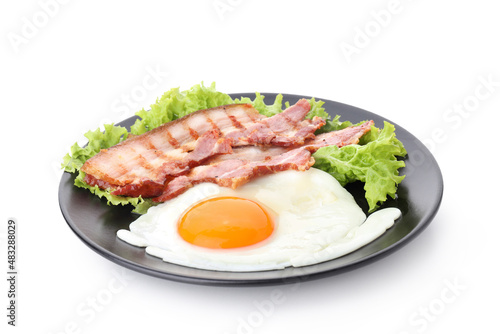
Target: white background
[(67, 68)]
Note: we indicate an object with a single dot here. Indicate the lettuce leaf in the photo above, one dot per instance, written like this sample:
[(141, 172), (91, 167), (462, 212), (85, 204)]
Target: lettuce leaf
[(175, 104), (373, 161)]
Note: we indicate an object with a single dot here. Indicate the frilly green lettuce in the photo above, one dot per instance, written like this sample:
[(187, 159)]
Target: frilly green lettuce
[(374, 161)]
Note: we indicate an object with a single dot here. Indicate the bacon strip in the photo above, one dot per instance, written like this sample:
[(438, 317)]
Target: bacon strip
[(285, 129), (246, 163), (144, 163), (208, 145)]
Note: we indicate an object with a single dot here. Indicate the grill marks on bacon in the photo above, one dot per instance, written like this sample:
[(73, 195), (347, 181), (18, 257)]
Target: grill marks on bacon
[(143, 164), (208, 145), (245, 163)]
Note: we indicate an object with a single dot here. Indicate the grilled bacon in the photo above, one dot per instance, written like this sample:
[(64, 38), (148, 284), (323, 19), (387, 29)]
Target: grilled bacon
[(245, 163), (141, 165)]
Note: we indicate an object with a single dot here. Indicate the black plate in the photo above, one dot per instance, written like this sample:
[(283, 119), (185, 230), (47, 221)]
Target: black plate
[(418, 197)]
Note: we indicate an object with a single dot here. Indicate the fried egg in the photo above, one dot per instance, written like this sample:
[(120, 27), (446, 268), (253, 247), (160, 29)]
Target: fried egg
[(291, 218)]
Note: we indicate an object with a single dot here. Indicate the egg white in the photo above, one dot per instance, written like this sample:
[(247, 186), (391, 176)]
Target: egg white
[(316, 220)]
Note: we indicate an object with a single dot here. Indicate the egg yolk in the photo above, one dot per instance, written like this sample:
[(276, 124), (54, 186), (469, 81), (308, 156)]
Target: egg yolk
[(225, 222)]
